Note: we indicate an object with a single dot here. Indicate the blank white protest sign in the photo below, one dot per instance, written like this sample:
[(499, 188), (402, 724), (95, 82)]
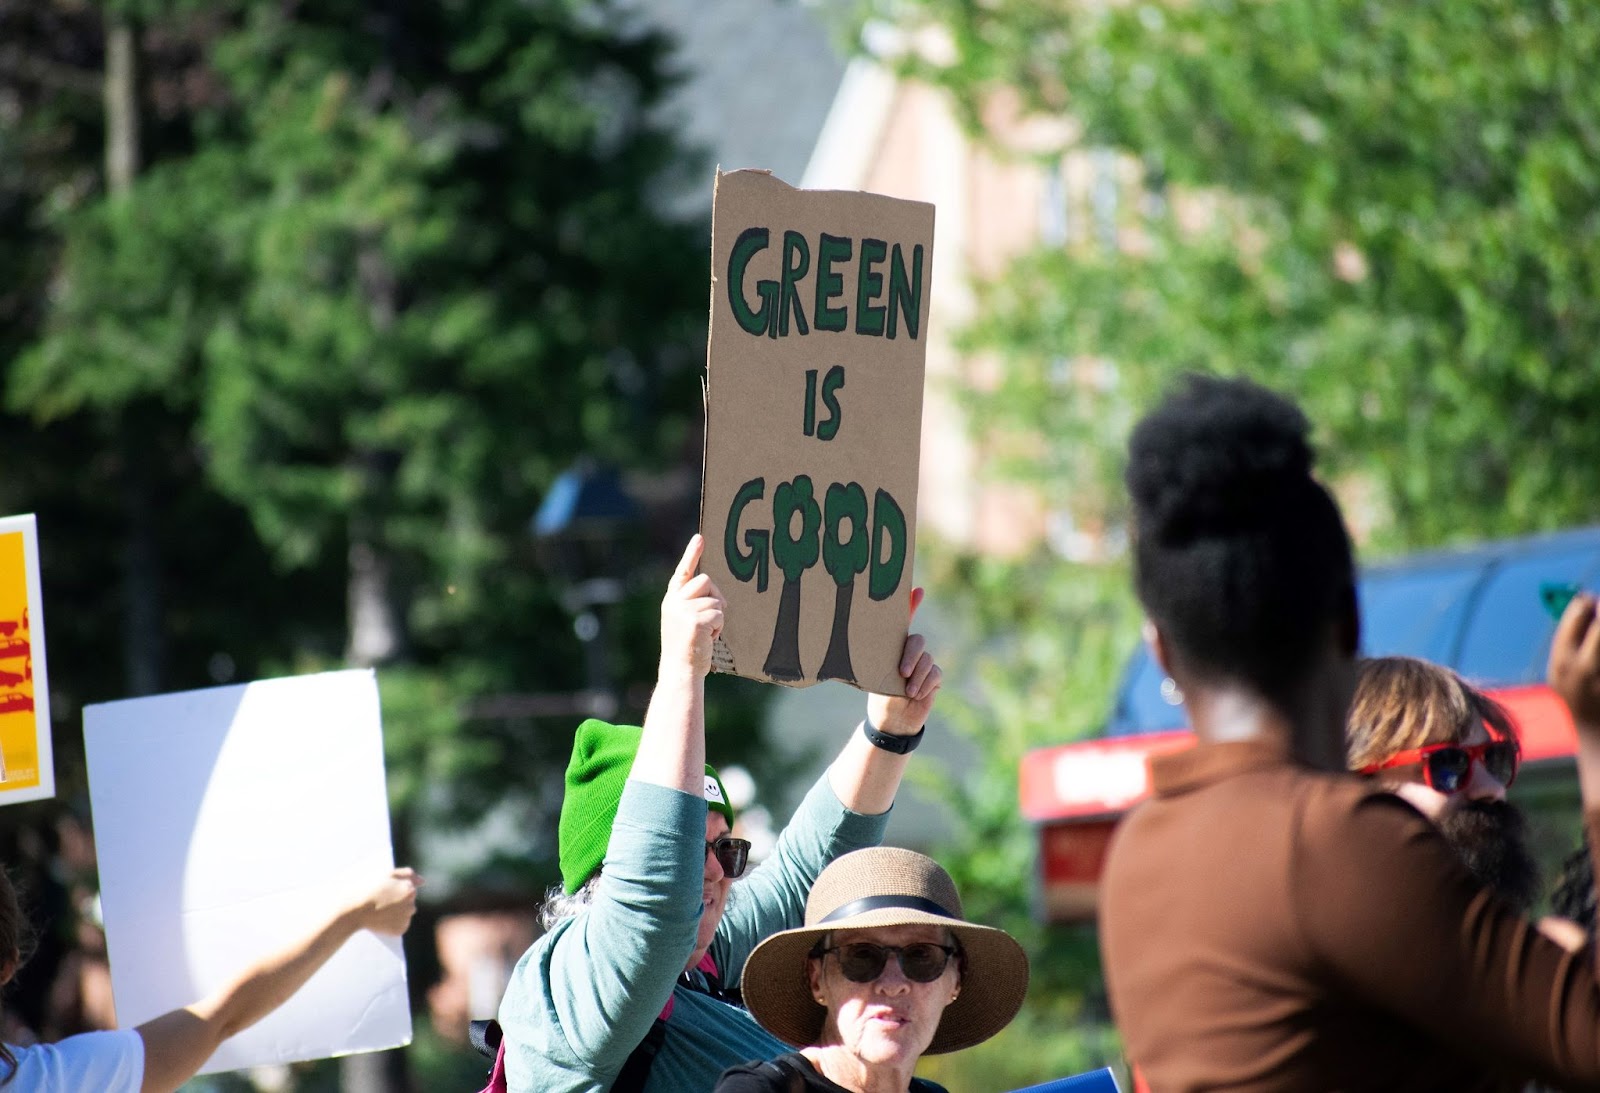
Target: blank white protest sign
[(231, 822)]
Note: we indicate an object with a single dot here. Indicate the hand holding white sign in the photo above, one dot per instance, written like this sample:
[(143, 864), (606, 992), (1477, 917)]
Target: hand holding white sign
[(271, 798), (176, 1044)]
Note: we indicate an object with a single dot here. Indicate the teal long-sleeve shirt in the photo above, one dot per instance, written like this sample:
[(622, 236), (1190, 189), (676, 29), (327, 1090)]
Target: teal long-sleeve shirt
[(584, 995)]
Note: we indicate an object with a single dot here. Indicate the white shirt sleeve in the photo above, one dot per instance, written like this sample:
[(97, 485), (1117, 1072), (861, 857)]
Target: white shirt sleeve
[(112, 1062)]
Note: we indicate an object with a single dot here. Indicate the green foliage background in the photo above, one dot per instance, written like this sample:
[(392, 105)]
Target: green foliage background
[(381, 272), (1398, 229), (1386, 211), (385, 271), (1046, 646)]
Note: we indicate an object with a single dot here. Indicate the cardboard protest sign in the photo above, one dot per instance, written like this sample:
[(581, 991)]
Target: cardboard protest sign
[(27, 768), (819, 323), (230, 823)]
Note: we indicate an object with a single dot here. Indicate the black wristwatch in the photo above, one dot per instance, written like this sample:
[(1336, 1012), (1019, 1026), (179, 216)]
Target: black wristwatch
[(900, 745)]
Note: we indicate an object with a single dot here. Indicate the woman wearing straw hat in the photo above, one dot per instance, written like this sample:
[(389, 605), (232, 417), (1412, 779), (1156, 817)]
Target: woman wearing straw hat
[(884, 971), (626, 988)]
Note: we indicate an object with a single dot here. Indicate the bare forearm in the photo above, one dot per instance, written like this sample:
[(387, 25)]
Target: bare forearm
[(1573, 672), (865, 778), (672, 748), (1589, 789), (273, 981), (178, 1043)]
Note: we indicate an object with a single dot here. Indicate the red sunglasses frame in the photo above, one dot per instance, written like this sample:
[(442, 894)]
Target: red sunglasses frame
[(1475, 754)]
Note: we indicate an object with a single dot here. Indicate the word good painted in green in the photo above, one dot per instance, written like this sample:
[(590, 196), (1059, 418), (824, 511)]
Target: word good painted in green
[(840, 532)]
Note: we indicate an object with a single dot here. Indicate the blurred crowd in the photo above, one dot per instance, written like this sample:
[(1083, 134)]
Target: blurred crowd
[(1330, 889)]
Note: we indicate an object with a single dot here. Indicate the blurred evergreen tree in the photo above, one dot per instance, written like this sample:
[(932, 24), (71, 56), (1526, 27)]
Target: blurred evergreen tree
[(302, 309), (383, 269)]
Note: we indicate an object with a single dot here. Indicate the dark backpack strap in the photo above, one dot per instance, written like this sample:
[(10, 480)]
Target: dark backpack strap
[(497, 1073), (636, 1071), (710, 984), (485, 1037)]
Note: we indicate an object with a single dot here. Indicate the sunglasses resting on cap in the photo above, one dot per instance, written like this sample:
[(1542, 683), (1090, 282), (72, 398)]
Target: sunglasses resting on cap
[(1447, 768)]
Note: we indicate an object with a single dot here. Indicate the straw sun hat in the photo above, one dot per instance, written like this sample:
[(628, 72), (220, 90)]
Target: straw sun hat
[(886, 886)]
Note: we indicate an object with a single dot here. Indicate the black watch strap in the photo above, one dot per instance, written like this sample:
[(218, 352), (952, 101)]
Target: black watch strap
[(900, 745)]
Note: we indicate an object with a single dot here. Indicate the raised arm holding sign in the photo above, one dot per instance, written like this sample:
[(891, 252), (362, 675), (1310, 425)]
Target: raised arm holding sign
[(614, 995)]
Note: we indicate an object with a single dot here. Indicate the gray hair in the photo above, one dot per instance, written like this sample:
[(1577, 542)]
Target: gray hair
[(558, 906)]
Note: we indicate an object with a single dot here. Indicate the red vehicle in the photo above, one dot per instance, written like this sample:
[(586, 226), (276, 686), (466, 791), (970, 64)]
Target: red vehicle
[(1477, 610)]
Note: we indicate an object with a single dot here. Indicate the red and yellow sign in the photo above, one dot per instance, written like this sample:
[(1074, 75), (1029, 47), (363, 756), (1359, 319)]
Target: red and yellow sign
[(26, 769)]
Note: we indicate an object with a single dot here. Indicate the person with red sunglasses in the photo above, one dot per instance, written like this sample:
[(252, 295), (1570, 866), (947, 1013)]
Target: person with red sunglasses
[(1268, 920), (1452, 752)]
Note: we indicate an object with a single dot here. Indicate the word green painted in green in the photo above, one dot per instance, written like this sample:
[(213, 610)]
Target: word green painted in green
[(780, 310)]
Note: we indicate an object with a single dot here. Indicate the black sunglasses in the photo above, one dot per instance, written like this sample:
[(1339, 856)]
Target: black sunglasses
[(732, 854), (864, 961)]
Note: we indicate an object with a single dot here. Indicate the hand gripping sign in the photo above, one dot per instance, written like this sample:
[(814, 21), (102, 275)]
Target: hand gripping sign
[(229, 822), (819, 322)]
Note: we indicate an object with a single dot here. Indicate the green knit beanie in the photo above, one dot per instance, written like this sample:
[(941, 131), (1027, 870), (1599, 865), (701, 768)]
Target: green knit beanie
[(602, 755)]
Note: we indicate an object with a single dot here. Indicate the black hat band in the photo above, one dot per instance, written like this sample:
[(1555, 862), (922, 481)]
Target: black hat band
[(873, 903)]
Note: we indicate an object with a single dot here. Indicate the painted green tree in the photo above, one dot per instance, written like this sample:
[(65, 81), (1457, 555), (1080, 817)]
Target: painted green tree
[(793, 551), (844, 506)]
